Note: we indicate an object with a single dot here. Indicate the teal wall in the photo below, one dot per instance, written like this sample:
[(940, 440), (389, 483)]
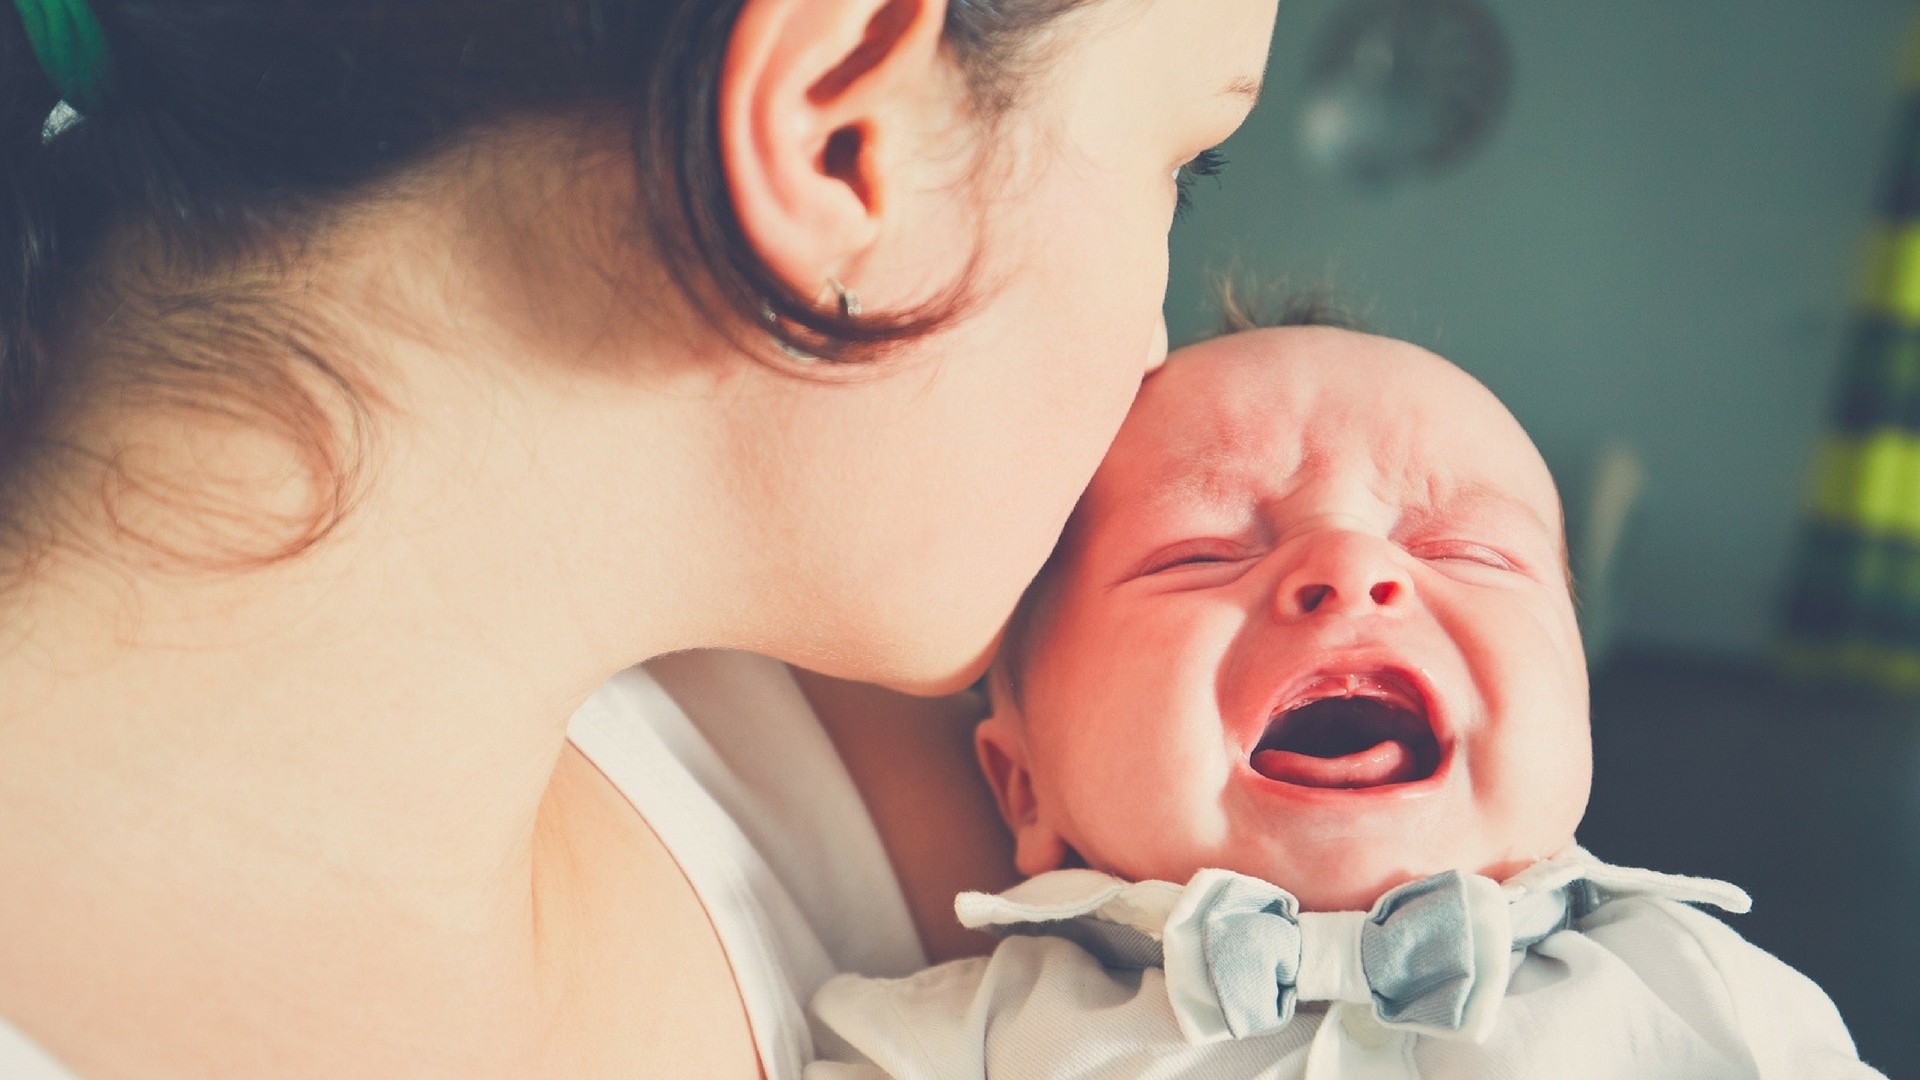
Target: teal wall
[(1657, 247)]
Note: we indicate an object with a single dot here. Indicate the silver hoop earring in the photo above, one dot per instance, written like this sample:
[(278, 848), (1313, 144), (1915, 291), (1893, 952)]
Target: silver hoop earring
[(847, 300), (794, 352)]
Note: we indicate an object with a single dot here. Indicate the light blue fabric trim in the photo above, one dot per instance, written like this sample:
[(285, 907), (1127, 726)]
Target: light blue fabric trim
[(1418, 954), (1251, 942), (1432, 957)]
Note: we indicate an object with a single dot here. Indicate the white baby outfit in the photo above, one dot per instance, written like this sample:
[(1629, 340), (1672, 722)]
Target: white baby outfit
[(1571, 969)]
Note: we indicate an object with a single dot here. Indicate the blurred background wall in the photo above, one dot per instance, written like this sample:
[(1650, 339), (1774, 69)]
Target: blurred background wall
[(1656, 247)]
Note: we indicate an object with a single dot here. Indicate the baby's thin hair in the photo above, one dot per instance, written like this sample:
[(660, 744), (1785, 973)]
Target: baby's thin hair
[(1244, 306)]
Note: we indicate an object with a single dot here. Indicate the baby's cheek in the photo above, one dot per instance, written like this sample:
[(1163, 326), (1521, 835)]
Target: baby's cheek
[(1553, 782), (1532, 770), (1174, 843), (1163, 817)]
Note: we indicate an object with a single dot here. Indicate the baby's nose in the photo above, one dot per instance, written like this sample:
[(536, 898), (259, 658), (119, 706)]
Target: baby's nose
[(1343, 572), (1309, 598)]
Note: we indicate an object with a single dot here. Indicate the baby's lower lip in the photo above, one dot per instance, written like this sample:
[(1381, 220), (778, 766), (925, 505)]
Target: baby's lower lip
[(1390, 761)]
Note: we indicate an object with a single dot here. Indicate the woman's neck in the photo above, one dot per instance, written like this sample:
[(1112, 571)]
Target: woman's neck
[(345, 762)]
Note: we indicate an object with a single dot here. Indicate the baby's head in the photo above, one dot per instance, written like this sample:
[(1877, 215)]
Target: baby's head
[(1311, 622)]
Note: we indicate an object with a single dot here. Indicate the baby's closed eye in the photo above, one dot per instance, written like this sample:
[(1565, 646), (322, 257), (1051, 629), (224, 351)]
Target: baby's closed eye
[(1461, 551), (1193, 553)]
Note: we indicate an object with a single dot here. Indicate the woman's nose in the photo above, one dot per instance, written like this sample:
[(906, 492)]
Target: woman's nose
[(1343, 572)]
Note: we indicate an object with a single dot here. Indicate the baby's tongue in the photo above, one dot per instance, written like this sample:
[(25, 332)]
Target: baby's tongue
[(1390, 761)]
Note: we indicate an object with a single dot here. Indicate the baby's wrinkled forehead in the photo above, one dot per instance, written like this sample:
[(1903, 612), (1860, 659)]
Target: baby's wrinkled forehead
[(1235, 416)]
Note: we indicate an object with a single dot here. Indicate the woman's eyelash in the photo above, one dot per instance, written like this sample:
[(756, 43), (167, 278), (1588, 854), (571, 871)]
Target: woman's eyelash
[(1205, 163)]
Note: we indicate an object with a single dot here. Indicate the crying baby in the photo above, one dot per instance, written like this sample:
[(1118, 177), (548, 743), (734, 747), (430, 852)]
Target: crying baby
[(1292, 738)]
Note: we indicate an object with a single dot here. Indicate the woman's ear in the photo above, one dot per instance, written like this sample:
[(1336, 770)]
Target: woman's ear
[(811, 93), (1003, 757)]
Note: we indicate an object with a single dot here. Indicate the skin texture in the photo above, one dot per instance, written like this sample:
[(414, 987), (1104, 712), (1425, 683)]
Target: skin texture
[(885, 535), (1280, 503), (321, 818)]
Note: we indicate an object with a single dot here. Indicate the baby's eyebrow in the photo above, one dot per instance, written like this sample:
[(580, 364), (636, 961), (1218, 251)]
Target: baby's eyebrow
[(1204, 489), (1479, 495), (1210, 480)]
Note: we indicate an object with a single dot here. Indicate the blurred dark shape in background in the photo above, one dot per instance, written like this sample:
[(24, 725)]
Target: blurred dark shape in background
[(1401, 88)]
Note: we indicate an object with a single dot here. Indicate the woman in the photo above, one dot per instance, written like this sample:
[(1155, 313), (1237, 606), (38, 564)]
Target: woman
[(380, 379)]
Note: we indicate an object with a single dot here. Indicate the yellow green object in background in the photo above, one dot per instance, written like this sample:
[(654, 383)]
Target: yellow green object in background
[(1853, 608)]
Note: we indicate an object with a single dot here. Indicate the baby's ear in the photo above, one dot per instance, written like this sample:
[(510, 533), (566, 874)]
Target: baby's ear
[(1001, 743)]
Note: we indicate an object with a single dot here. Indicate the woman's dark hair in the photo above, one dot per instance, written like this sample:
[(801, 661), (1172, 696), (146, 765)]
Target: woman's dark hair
[(230, 126)]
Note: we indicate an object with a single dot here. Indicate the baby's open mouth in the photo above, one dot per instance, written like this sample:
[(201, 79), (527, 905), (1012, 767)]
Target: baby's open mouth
[(1356, 730)]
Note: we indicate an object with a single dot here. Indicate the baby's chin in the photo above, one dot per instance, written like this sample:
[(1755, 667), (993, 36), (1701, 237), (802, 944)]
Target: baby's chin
[(1350, 881), (1351, 894)]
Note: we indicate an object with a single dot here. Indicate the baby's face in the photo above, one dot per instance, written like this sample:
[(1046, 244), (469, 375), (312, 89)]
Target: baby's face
[(1311, 624)]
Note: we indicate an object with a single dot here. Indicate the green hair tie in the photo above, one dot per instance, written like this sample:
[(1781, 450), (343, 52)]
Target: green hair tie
[(72, 49)]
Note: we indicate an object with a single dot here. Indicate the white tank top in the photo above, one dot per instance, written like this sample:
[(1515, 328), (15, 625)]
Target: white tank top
[(722, 756), (729, 765)]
